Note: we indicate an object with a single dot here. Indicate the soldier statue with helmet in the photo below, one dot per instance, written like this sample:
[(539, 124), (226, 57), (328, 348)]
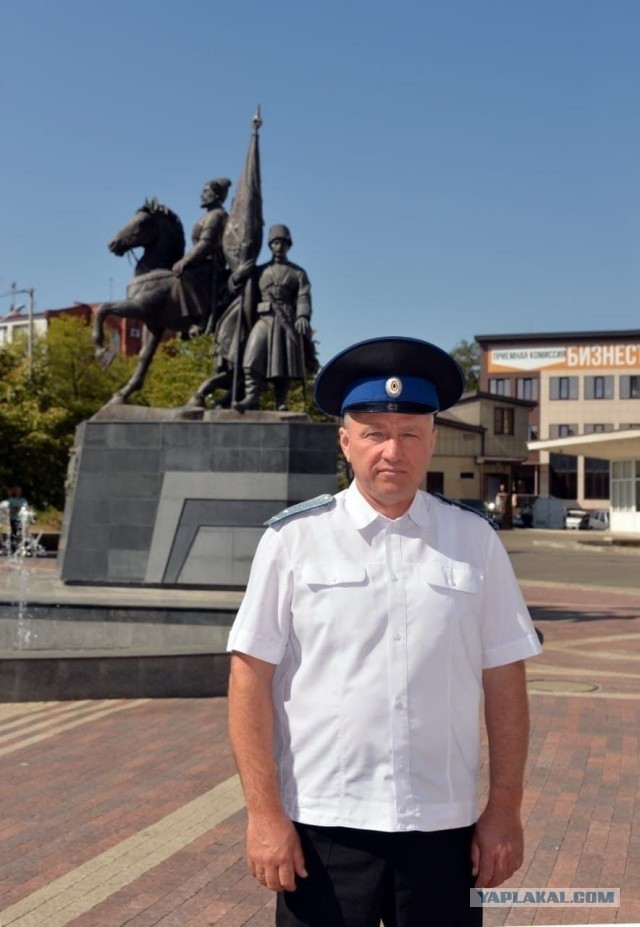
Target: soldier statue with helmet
[(279, 348)]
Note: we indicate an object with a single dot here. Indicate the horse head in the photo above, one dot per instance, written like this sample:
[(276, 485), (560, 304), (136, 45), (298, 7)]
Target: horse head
[(158, 230)]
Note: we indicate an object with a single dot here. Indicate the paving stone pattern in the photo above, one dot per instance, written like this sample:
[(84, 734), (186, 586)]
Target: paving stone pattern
[(128, 812)]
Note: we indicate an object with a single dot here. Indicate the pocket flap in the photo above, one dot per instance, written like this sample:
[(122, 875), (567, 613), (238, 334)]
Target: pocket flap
[(453, 575), (333, 574)]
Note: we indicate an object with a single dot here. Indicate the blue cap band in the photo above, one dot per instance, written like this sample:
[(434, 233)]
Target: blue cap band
[(377, 393)]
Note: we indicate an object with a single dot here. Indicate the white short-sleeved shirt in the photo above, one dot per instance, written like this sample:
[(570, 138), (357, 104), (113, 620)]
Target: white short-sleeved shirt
[(380, 630)]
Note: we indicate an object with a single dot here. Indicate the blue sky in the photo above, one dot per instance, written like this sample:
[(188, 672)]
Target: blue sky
[(446, 168)]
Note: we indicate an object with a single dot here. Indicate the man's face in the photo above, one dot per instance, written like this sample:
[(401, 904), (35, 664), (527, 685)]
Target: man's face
[(389, 453), (210, 195), (279, 248)]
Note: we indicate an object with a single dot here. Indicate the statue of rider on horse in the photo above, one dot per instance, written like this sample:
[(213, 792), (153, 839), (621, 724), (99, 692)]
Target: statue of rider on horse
[(216, 288)]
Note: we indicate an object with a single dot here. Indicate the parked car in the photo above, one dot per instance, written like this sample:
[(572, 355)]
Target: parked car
[(599, 520), (485, 508), (576, 519)]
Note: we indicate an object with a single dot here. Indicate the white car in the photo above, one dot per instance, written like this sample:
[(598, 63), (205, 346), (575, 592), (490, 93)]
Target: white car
[(576, 519), (599, 520)]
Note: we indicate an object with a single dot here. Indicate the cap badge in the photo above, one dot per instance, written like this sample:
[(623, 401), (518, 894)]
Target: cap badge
[(393, 387)]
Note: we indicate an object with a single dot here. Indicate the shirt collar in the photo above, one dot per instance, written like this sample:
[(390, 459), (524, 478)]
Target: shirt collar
[(363, 514)]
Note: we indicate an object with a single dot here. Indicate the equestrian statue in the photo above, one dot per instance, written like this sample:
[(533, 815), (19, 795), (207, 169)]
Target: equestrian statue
[(169, 290)]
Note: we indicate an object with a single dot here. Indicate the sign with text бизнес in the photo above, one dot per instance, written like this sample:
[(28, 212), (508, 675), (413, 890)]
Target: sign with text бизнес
[(566, 357)]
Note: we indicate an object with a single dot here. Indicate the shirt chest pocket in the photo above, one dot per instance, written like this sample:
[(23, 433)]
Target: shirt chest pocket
[(326, 598), (452, 577), (327, 577)]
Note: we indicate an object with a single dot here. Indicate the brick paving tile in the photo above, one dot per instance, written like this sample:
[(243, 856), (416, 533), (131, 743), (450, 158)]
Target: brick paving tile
[(77, 792)]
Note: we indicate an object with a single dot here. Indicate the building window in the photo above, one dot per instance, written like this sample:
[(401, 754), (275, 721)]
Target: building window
[(562, 431), (630, 387), (630, 426), (596, 478), (501, 386), (625, 485), (563, 470), (527, 388), (502, 421), (532, 433), (435, 481), (467, 475), (593, 428), (598, 387), (563, 387)]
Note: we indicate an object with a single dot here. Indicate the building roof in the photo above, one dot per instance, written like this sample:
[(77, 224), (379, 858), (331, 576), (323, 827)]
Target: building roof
[(607, 445), (17, 317), (495, 397), (450, 420), (632, 333)]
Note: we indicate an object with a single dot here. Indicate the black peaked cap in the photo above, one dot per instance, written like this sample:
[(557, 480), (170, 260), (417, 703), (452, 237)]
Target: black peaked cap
[(388, 357)]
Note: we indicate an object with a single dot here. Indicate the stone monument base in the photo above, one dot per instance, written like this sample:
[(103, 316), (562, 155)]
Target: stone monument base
[(156, 500)]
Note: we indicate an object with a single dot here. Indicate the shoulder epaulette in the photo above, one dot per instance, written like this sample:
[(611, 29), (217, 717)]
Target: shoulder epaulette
[(467, 508), (318, 502)]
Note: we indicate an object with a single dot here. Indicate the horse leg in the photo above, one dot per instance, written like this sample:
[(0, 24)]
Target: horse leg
[(222, 380), (151, 340), (124, 309), (97, 331)]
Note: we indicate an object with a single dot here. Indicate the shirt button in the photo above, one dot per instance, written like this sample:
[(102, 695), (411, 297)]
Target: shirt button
[(394, 578), (397, 637), (398, 703)]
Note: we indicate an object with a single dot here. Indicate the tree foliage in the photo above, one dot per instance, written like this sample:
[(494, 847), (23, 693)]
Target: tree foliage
[(467, 355), (42, 403), (177, 370)]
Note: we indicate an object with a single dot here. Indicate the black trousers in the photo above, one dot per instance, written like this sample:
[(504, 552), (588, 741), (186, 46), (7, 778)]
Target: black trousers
[(358, 878)]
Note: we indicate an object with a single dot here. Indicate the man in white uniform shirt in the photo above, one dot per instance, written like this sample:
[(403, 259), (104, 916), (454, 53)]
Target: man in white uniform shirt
[(372, 624)]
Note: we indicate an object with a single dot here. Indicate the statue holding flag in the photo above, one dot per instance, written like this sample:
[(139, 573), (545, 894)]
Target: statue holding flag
[(241, 243), (263, 338)]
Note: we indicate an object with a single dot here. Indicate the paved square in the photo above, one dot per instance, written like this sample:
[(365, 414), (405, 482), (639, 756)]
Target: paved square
[(129, 812)]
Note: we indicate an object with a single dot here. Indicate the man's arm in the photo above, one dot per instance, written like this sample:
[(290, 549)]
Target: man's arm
[(498, 845), (211, 230), (273, 847)]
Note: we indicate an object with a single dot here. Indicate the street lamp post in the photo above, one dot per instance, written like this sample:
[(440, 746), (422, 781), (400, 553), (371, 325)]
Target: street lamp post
[(28, 291)]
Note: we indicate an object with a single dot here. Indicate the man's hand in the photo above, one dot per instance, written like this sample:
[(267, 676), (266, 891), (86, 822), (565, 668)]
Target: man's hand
[(303, 326), (242, 272), (497, 849), (274, 853)]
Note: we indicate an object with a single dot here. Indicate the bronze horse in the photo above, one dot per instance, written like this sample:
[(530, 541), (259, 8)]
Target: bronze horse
[(156, 296)]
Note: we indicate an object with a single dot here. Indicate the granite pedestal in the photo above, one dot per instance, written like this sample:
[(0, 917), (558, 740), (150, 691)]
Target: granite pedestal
[(158, 501)]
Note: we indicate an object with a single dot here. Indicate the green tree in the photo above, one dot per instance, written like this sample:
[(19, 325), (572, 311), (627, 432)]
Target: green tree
[(71, 378), (177, 370), (42, 403), (467, 355)]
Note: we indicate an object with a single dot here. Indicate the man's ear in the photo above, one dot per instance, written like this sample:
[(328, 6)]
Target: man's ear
[(343, 435)]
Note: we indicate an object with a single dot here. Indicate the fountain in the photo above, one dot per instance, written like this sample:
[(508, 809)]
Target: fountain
[(19, 544)]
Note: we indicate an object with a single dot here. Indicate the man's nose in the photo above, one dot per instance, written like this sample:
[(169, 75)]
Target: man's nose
[(392, 449)]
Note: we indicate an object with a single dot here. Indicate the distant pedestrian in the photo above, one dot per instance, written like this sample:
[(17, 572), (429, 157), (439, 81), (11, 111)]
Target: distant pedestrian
[(15, 501)]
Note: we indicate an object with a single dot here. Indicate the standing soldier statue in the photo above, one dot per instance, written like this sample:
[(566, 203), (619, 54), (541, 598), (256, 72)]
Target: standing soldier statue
[(279, 348)]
